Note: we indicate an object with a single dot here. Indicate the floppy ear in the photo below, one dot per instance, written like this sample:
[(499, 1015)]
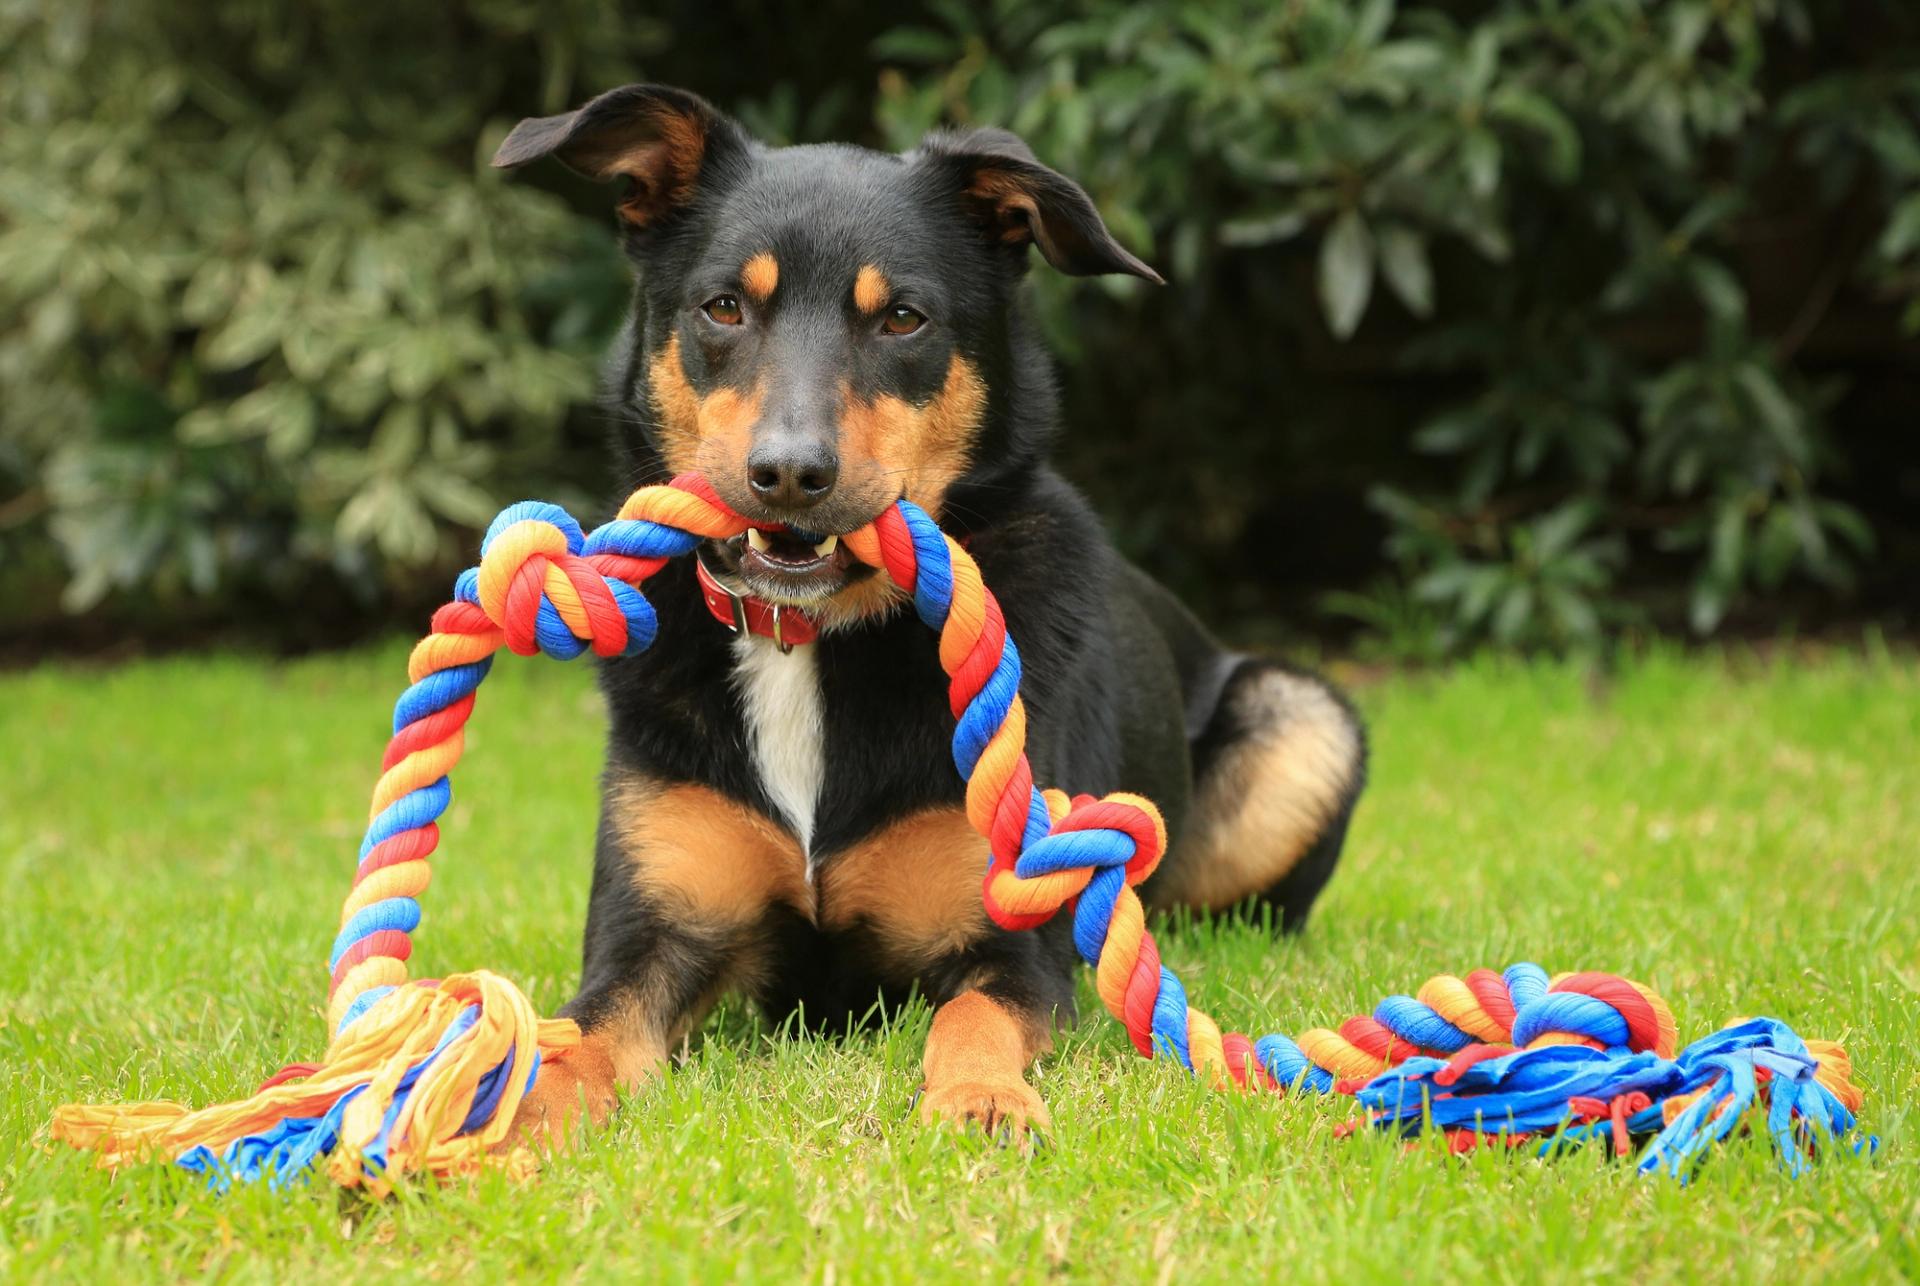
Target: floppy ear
[(1020, 200), (659, 138)]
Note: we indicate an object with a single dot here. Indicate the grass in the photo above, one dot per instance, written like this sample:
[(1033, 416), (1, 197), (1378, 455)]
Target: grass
[(174, 837)]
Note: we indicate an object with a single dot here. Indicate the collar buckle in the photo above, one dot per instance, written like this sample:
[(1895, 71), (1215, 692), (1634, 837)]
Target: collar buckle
[(775, 623), (739, 623)]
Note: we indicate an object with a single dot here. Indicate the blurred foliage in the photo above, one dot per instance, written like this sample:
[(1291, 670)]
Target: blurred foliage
[(1547, 280), (262, 321), (1565, 200)]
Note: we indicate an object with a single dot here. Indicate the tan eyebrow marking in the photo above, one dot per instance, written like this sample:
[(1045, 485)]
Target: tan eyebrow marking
[(870, 289), (759, 275)]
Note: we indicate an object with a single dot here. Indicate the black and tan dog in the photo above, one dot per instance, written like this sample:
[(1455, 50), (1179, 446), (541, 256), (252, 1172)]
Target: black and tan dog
[(820, 330)]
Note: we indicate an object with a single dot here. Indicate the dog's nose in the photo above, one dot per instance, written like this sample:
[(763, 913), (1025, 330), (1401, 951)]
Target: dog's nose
[(792, 475)]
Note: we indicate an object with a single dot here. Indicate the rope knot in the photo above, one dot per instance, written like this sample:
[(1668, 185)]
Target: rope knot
[(1598, 1010), (1118, 830), (534, 583), (1091, 847)]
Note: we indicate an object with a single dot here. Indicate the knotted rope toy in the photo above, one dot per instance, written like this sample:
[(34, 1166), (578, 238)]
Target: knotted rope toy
[(425, 1076)]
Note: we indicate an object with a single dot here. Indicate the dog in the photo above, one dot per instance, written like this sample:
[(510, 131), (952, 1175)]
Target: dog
[(819, 331)]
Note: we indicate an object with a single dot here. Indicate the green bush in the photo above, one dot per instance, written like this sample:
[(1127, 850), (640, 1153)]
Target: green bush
[(1545, 190), (1542, 278), (267, 313)]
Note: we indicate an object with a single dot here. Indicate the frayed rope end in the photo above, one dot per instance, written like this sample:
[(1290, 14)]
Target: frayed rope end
[(426, 1081), (1756, 1069)]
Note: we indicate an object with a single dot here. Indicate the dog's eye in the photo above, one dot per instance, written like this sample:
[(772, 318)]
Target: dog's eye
[(902, 320), (724, 309)]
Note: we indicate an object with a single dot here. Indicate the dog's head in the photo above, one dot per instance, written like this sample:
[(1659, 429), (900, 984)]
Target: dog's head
[(821, 330)]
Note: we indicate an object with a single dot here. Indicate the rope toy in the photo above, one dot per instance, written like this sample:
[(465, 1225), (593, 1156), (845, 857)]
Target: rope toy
[(424, 1077)]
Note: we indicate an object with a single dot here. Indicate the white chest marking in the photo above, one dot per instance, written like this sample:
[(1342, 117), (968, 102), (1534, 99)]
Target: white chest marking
[(785, 729)]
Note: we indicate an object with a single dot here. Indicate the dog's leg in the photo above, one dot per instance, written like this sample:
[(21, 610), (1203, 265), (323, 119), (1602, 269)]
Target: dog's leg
[(685, 887), (976, 1063), (1277, 771), (620, 1046), (642, 994), (911, 892)]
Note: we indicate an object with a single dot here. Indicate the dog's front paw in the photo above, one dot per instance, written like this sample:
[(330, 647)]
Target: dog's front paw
[(567, 1094), (1011, 1109)]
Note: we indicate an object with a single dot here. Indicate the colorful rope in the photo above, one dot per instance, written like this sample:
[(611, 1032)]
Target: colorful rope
[(541, 586), (421, 1076)]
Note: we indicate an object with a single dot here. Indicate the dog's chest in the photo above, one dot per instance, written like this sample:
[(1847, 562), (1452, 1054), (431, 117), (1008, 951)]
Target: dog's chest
[(786, 729)]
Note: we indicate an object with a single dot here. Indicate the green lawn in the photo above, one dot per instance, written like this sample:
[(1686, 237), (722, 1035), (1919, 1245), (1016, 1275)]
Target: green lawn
[(175, 837)]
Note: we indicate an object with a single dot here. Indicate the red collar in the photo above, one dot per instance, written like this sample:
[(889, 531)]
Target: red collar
[(744, 614)]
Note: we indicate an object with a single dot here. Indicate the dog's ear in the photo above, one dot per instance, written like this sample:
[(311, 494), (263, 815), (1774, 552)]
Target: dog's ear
[(661, 139), (1019, 200)]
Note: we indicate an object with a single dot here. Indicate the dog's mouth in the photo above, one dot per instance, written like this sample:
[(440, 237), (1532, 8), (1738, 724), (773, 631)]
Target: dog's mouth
[(788, 566)]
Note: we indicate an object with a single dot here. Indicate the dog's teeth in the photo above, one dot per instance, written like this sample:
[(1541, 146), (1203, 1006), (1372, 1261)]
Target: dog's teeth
[(757, 538), (826, 546)]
